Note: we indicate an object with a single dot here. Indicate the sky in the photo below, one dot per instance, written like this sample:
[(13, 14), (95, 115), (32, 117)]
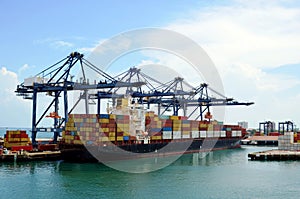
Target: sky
[(254, 45)]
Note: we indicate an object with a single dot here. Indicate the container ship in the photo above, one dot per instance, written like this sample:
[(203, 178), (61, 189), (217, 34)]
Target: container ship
[(130, 132), (128, 129)]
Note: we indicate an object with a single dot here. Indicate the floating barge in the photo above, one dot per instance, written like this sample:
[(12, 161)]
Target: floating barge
[(277, 155)]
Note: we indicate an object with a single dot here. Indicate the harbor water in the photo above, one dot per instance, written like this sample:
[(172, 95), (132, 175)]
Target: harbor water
[(218, 174)]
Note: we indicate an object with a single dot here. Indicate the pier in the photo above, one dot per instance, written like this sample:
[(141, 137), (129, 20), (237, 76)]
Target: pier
[(30, 156), (275, 155)]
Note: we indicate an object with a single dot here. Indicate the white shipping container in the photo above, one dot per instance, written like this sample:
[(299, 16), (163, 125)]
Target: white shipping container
[(195, 134), (176, 137), (203, 134), (186, 136), (223, 134), (238, 133), (210, 134), (176, 134), (233, 133), (167, 135), (216, 133)]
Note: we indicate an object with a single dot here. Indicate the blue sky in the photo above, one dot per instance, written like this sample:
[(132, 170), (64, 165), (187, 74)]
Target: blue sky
[(255, 46)]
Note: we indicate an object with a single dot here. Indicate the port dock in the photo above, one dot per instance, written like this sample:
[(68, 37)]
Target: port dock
[(276, 155), (261, 140), (30, 156)]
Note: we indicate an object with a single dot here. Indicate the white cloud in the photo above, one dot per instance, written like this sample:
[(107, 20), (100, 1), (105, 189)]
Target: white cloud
[(55, 43), (243, 40), (265, 36), (15, 109), (58, 44)]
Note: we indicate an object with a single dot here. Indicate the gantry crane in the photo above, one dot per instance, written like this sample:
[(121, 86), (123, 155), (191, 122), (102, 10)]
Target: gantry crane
[(267, 127), (176, 94), (286, 126), (60, 82)]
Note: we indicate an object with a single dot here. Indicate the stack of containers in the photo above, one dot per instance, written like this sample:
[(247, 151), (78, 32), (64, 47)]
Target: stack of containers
[(286, 142), (177, 124), (227, 129), (236, 131), (82, 129), (203, 125), (105, 133), (112, 128), (217, 128), (91, 129), (186, 128), (210, 129), (123, 127), (154, 126), (195, 129), (167, 127), (17, 140)]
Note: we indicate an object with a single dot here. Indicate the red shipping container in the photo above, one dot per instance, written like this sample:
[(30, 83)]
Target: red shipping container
[(182, 117), (18, 148), (104, 125), (228, 134)]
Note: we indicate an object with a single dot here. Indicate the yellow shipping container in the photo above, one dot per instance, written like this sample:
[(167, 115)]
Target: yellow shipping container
[(111, 138), (14, 139), (104, 120), (68, 141), (78, 120), (173, 117), (9, 145), (177, 125), (14, 132), (120, 138), (210, 127), (126, 134), (112, 116), (105, 130), (25, 139), (158, 137), (70, 124), (186, 125), (77, 142), (150, 114), (176, 128), (176, 121), (111, 134), (185, 132), (69, 137), (120, 125), (203, 125), (103, 139)]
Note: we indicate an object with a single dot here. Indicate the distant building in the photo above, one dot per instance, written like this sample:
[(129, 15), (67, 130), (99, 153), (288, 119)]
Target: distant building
[(243, 124)]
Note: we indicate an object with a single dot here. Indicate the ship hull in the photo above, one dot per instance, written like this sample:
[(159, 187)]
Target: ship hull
[(109, 153)]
